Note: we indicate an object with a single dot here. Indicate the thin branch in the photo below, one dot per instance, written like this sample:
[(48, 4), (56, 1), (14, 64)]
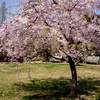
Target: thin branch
[(73, 7), (54, 2), (63, 51), (33, 22), (97, 21), (55, 22), (35, 19), (35, 9), (47, 23), (95, 32), (65, 37)]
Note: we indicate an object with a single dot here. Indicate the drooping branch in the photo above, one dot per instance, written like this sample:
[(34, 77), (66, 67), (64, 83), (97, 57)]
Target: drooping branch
[(62, 59)]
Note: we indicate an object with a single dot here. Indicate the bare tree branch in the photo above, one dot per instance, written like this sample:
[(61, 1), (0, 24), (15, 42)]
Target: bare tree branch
[(54, 2), (47, 23)]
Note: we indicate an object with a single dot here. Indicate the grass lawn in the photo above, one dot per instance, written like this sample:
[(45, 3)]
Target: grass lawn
[(48, 82)]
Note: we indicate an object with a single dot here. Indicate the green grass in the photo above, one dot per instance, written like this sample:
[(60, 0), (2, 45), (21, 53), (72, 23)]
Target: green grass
[(48, 81)]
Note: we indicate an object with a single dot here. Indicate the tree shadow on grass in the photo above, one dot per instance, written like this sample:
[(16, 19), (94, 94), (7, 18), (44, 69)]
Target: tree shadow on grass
[(57, 89)]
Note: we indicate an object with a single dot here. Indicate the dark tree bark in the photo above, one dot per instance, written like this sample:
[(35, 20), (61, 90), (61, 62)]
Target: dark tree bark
[(21, 59), (47, 55), (2, 57), (74, 76)]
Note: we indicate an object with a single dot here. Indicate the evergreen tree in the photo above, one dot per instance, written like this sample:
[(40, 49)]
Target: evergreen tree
[(3, 11)]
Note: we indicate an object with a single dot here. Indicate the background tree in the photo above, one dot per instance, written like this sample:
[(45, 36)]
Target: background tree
[(3, 11), (64, 21)]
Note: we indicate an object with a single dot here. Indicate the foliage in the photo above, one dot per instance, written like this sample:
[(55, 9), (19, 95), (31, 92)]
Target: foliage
[(69, 25)]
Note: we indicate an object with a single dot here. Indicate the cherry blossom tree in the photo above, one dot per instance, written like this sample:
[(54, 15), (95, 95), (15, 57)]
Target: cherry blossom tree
[(55, 26)]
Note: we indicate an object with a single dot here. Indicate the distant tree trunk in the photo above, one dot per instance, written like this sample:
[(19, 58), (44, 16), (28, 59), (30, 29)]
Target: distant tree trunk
[(47, 56), (21, 59), (74, 76), (1, 57)]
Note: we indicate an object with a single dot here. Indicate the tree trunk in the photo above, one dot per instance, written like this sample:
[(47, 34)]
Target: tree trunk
[(74, 76), (1, 58)]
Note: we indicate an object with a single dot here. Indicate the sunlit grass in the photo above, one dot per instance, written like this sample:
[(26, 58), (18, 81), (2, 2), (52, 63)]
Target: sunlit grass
[(48, 81)]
